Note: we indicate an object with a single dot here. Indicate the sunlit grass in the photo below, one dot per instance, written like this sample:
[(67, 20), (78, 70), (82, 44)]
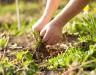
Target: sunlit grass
[(29, 8)]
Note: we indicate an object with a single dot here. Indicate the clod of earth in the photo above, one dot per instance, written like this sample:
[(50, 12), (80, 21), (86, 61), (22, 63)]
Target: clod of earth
[(40, 52)]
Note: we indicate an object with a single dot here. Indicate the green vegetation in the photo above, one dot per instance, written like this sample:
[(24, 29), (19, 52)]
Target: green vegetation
[(22, 64), (3, 42), (23, 9)]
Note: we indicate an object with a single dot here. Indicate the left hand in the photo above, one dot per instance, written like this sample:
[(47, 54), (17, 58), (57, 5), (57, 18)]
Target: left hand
[(51, 33)]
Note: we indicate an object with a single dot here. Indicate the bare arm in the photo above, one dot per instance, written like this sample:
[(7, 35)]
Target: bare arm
[(52, 32), (70, 10), (51, 7)]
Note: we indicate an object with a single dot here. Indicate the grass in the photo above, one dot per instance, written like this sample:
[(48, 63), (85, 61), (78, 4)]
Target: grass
[(32, 8), (84, 27)]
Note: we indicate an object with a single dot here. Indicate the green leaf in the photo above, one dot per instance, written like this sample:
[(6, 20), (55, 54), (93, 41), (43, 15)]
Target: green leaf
[(19, 56)]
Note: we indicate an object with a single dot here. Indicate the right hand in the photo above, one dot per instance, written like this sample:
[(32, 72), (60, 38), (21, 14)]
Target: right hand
[(52, 33)]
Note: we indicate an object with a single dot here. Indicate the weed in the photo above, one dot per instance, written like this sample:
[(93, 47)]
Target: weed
[(40, 49), (3, 42)]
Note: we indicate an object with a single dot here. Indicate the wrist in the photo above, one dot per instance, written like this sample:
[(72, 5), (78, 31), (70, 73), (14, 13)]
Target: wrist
[(58, 23), (45, 19)]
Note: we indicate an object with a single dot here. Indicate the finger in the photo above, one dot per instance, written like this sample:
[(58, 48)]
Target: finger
[(52, 41), (34, 28), (42, 33), (46, 37)]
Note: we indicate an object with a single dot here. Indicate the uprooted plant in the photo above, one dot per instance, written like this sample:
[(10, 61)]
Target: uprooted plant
[(40, 48)]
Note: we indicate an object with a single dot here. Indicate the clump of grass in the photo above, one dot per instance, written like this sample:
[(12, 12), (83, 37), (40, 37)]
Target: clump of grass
[(40, 48), (67, 58), (3, 42), (77, 55)]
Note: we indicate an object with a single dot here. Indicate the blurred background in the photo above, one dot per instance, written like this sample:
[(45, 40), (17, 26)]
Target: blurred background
[(29, 12), (28, 9)]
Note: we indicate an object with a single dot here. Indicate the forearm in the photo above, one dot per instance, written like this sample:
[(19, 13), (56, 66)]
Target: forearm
[(70, 10), (51, 7)]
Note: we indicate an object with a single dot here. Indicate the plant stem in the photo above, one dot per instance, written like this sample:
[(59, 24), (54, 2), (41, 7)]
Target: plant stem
[(18, 14)]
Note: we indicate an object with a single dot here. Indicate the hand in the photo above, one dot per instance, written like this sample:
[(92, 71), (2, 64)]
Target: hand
[(52, 33), (40, 24)]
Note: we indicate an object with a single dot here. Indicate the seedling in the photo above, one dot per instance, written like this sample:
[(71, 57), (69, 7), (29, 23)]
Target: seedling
[(3, 42)]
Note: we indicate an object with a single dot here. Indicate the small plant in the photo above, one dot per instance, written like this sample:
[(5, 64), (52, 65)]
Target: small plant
[(3, 42), (40, 48), (6, 67), (28, 65)]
